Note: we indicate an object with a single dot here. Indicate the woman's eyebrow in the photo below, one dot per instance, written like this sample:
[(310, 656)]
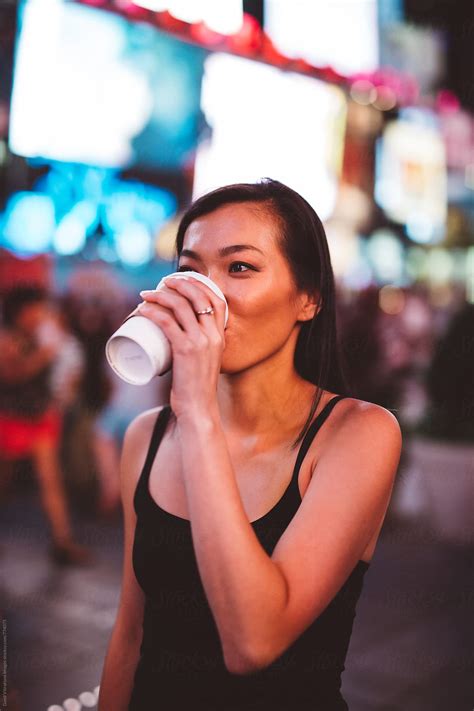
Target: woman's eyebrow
[(222, 252)]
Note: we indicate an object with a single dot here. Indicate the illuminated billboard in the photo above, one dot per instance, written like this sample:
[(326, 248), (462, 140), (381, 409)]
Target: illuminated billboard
[(341, 33), (92, 88), (411, 182), (269, 123)]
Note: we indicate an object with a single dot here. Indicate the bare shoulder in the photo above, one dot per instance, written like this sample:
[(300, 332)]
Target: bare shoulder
[(142, 425), (371, 418), (353, 422), (363, 413), (135, 445)]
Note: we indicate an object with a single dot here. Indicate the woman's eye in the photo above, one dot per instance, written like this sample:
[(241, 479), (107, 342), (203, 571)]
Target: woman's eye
[(240, 264), (185, 268), (235, 267)]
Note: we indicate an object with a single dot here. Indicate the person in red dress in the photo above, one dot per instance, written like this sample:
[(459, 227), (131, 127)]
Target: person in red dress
[(30, 423)]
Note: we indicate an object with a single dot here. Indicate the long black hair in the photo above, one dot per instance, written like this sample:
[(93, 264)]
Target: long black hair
[(318, 357)]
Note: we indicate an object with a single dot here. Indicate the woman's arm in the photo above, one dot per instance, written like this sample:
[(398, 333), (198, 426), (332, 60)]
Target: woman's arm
[(124, 646), (261, 604)]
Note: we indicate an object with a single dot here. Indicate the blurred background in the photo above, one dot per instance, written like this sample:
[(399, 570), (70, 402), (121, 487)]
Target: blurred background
[(114, 115)]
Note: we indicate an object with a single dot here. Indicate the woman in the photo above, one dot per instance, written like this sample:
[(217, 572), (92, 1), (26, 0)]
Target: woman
[(243, 567)]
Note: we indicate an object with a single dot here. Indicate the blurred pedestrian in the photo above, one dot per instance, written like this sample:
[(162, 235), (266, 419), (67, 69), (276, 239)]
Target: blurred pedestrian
[(89, 474), (30, 420), (450, 381)]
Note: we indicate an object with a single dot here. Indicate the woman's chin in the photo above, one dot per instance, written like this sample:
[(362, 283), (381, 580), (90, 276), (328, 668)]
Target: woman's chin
[(225, 369), (232, 366), (228, 366), (233, 359)]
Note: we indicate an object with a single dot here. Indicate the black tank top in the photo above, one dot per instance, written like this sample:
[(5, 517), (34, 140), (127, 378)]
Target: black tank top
[(181, 665)]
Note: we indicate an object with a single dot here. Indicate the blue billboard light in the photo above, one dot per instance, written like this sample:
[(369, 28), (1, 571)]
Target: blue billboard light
[(28, 223)]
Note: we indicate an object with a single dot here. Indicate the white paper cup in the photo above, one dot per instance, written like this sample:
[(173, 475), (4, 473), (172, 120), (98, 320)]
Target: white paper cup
[(139, 350)]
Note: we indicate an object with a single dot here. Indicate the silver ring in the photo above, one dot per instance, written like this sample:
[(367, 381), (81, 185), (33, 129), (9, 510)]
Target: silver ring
[(209, 310)]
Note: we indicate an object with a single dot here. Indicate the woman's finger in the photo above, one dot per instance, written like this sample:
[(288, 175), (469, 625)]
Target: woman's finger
[(198, 293), (166, 320), (178, 305)]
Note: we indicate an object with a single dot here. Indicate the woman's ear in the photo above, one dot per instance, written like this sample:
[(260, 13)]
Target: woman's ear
[(309, 307)]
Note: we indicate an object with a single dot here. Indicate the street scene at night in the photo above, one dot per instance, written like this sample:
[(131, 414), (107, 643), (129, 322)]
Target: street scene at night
[(237, 246)]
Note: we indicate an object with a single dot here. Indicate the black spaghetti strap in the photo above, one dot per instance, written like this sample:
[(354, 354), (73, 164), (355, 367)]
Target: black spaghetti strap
[(140, 497), (158, 432), (313, 428)]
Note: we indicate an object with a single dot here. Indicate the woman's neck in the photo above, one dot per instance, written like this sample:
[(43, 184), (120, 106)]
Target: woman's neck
[(263, 400)]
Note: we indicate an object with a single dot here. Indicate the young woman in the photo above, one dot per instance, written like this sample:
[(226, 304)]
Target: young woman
[(248, 524)]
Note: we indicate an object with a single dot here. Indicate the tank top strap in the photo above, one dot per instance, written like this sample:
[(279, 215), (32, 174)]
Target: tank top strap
[(156, 436), (311, 433)]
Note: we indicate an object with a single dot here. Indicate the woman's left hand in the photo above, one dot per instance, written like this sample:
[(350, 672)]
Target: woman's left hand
[(197, 340)]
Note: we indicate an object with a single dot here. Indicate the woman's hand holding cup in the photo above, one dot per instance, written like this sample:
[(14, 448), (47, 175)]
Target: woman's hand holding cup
[(164, 325), (193, 322)]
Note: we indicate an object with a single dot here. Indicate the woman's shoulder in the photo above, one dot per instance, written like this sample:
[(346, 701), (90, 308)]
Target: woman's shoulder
[(142, 425), (361, 416), (136, 441), (364, 408), (366, 411), (358, 426), (139, 432), (352, 418)]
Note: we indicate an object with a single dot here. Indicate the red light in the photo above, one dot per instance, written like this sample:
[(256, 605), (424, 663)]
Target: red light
[(248, 40), (203, 34)]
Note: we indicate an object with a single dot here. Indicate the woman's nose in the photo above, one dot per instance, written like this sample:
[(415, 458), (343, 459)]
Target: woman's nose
[(218, 281)]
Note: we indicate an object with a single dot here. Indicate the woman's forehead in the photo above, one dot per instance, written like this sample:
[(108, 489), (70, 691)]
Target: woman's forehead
[(238, 223)]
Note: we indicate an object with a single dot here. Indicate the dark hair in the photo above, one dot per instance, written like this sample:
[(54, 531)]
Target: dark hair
[(318, 357), (17, 298)]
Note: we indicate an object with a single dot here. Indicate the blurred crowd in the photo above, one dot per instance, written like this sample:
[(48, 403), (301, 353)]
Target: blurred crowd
[(413, 354), (63, 412)]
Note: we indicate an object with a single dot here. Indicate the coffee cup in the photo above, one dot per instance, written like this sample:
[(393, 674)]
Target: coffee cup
[(139, 350)]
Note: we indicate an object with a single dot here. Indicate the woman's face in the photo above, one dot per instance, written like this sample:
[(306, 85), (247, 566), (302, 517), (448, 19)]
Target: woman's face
[(237, 247)]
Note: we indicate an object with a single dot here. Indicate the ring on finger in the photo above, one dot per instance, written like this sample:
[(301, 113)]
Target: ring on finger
[(209, 310)]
